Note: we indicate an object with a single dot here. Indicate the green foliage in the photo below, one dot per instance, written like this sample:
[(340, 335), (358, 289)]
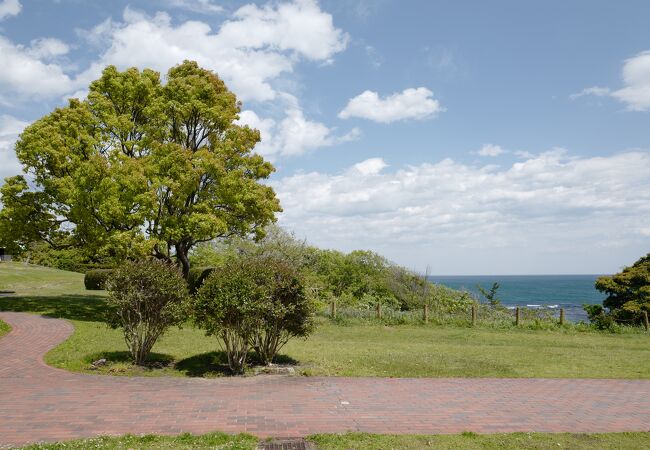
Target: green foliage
[(228, 306), (145, 299), (197, 276), (43, 254), (253, 302), (96, 279), (491, 295), (286, 312), (599, 317), (360, 279), (628, 292), (139, 168)]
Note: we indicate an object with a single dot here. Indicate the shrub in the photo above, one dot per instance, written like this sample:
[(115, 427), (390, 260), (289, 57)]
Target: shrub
[(197, 277), (253, 301), (599, 317), (227, 305), (96, 279), (286, 311), (145, 299)]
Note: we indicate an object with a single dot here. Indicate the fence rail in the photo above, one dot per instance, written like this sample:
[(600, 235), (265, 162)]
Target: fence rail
[(474, 315)]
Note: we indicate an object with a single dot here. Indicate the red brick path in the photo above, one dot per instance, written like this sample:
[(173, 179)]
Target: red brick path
[(39, 403)]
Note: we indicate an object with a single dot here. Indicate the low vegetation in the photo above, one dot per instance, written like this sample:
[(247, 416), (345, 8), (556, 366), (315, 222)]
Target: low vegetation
[(628, 297), (253, 302), (145, 299), (364, 441), (4, 328), (355, 348)]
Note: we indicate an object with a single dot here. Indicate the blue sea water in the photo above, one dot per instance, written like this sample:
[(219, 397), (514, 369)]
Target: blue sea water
[(534, 291)]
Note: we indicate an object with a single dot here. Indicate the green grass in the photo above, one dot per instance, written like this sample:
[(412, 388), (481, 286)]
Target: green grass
[(4, 328), (470, 441), (183, 441), (363, 441), (344, 350)]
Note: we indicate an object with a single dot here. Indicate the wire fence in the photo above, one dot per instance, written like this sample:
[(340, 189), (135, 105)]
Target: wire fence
[(476, 315)]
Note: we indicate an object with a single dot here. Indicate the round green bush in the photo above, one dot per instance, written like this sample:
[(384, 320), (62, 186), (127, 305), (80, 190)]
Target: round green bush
[(95, 280)]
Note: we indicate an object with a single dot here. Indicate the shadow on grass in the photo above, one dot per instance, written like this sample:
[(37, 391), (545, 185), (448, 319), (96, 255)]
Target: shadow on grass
[(154, 360), (73, 307), (216, 364)]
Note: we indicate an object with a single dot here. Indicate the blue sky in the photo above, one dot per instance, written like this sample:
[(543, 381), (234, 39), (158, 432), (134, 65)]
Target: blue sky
[(475, 137)]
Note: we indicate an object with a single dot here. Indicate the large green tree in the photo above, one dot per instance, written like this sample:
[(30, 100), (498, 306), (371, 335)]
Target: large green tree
[(140, 167), (628, 292)]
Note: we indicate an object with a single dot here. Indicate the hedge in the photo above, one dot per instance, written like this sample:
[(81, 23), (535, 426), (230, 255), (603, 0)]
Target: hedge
[(95, 280), (197, 276)]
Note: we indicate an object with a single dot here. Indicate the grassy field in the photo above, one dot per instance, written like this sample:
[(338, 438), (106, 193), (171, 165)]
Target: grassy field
[(362, 441), (352, 350)]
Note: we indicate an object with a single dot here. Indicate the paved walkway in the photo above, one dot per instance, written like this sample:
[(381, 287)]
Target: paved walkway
[(41, 403)]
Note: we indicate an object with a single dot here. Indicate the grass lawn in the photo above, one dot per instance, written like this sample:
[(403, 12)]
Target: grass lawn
[(352, 350), (362, 441), (4, 328)]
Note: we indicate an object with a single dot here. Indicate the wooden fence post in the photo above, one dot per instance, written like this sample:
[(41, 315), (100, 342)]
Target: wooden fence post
[(561, 316), (333, 310), (426, 313), (517, 316), (378, 310), (646, 324), (473, 315)]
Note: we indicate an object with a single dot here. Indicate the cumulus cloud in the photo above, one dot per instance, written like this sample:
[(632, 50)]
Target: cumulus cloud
[(413, 103), (249, 51), (293, 135), (10, 128), (551, 199), (491, 150), (9, 8), (26, 72), (636, 75), (636, 90)]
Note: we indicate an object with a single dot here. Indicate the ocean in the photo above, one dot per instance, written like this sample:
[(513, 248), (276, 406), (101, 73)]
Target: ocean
[(534, 291)]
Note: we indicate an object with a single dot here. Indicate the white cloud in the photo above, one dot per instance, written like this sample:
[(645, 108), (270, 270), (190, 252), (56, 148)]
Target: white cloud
[(250, 51), (413, 103), (594, 90), (370, 166), (636, 75), (24, 74), (10, 128), (636, 78), (9, 8), (491, 150), (198, 6), (548, 202), (47, 48), (293, 135)]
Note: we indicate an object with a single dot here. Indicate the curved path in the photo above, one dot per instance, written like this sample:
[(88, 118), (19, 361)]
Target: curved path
[(40, 403)]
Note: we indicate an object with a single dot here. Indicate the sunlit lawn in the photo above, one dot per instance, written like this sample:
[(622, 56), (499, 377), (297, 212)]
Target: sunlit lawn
[(363, 441), (352, 350)]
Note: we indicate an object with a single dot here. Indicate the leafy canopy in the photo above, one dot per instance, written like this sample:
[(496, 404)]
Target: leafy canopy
[(140, 168), (628, 292)]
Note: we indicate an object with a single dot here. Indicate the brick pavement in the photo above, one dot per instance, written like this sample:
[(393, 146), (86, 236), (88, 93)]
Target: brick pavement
[(42, 403)]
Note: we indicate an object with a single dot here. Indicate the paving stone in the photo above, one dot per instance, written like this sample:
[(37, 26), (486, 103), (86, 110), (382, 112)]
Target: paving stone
[(42, 403)]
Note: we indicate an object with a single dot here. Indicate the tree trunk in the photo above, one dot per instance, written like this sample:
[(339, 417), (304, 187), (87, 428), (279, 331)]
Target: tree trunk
[(183, 259)]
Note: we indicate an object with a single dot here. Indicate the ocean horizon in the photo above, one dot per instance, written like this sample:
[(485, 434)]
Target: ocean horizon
[(550, 292)]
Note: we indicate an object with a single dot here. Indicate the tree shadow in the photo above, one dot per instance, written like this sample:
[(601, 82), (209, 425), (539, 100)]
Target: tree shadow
[(216, 364), (205, 364), (154, 360), (73, 307)]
